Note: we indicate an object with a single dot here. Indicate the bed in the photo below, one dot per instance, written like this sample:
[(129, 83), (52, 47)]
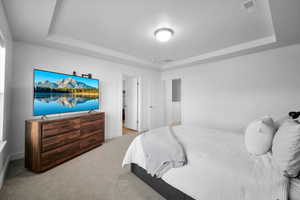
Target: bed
[(218, 168)]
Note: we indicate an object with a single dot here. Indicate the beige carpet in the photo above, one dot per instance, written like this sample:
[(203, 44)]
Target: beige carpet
[(96, 175)]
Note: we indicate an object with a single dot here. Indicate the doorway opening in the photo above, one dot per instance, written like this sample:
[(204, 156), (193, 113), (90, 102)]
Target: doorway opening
[(130, 109), (173, 100)]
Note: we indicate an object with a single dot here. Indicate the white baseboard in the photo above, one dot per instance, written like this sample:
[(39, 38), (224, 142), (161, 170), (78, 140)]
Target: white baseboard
[(9, 158), (3, 172), (17, 156)]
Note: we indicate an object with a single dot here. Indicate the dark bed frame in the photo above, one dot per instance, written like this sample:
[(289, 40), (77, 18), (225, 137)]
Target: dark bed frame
[(159, 185)]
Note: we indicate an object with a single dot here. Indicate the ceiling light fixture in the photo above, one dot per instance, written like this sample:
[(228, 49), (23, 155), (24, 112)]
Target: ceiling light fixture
[(163, 34)]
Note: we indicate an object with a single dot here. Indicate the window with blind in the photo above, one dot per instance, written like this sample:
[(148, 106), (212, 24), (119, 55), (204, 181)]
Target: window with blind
[(2, 64), (2, 84)]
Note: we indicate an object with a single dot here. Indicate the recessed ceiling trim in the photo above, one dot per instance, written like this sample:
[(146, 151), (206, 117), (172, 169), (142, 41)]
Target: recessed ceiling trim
[(97, 49), (118, 56), (57, 7), (104, 52), (29, 24), (222, 52)]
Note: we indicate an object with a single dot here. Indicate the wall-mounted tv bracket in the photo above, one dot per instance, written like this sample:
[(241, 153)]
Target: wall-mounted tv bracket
[(294, 114)]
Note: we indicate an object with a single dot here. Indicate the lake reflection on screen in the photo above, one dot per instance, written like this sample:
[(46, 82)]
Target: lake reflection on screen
[(48, 103)]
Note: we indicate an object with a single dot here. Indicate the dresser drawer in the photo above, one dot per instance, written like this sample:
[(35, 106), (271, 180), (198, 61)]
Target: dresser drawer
[(59, 155), (55, 128), (59, 140), (99, 123), (92, 117), (92, 126), (61, 123), (92, 140), (88, 134)]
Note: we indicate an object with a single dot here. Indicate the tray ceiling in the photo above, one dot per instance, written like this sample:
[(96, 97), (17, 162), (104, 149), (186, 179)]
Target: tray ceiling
[(122, 31)]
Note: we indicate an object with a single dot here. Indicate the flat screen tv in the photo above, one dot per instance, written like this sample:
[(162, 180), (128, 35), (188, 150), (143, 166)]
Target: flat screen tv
[(60, 93)]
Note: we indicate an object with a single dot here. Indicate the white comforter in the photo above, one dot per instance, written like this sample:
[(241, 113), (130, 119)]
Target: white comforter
[(219, 168)]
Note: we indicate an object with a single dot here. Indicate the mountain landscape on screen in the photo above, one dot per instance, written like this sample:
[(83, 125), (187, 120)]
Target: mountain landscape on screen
[(63, 83), (67, 85)]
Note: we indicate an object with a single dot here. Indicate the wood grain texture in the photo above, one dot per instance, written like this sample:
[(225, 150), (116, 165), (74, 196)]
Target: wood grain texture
[(49, 143), (60, 140)]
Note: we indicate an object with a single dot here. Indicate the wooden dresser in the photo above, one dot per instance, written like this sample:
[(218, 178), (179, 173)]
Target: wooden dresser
[(51, 142)]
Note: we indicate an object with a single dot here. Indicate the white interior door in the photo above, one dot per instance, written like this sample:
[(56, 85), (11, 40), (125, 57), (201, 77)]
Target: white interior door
[(131, 103), (156, 111)]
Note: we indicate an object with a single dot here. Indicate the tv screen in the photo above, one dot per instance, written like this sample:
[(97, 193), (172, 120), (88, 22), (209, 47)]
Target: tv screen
[(60, 93)]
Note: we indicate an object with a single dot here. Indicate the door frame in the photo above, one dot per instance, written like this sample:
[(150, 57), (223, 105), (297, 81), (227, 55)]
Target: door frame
[(170, 78), (139, 99)]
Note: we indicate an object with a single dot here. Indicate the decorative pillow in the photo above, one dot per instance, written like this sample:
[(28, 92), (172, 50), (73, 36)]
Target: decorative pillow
[(259, 136), (280, 121), (286, 148)]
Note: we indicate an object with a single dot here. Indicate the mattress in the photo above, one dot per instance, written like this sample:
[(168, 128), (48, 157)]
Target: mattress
[(218, 168)]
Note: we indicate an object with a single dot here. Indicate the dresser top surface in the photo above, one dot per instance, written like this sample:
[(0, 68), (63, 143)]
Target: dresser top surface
[(49, 119)]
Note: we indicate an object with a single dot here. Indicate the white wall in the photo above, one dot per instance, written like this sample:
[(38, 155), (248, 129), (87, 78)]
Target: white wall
[(229, 94), (4, 28), (27, 56)]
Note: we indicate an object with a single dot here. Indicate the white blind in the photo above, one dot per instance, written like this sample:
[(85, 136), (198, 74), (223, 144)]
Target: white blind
[(2, 76), (2, 65)]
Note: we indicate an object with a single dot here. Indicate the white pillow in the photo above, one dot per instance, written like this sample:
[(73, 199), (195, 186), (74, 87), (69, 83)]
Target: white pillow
[(280, 121), (259, 136), (286, 148)]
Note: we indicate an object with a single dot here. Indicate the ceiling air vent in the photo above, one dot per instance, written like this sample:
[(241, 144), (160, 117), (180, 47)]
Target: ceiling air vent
[(249, 5), (162, 61)]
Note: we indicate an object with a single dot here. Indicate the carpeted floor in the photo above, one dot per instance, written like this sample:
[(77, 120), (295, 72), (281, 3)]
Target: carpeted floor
[(96, 175)]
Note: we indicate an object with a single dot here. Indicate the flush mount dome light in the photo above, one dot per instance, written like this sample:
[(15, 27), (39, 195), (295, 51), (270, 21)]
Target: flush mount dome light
[(163, 34)]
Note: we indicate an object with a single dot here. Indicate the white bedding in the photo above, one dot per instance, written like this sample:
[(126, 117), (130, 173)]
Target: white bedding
[(294, 193), (219, 168)]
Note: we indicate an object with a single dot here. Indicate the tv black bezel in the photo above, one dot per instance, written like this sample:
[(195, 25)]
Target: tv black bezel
[(34, 69)]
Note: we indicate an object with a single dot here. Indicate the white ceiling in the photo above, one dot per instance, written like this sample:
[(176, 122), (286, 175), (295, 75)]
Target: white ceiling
[(122, 31)]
